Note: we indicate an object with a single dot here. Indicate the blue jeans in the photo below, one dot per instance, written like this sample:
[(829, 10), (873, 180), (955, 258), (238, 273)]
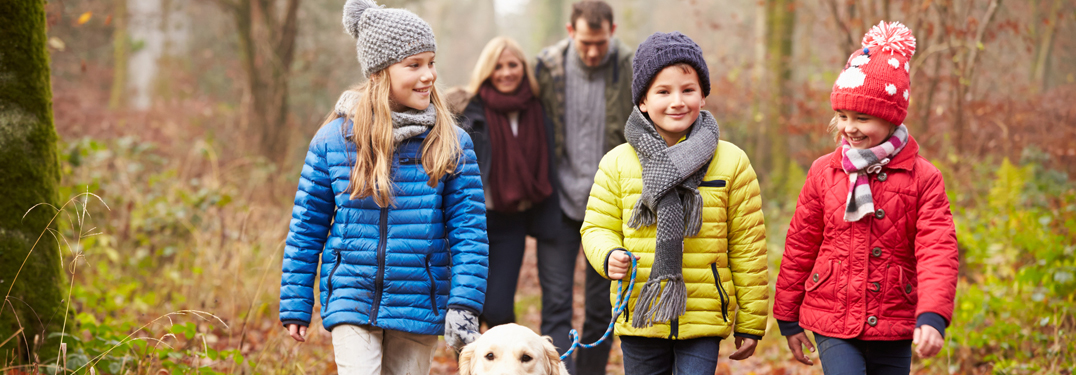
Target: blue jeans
[(651, 356), (854, 356)]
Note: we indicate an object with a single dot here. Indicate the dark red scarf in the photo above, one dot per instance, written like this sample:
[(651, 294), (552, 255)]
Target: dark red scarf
[(519, 170)]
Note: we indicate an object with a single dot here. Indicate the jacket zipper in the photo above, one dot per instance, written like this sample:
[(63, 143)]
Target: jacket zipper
[(433, 286), (720, 293), (336, 265), (379, 282)]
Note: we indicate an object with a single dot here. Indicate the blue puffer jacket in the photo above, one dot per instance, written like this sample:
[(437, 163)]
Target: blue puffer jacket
[(398, 267)]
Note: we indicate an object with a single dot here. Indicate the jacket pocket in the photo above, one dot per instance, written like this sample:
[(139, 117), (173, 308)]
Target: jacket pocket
[(819, 287), (712, 183), (336, 265), (902, 293), (715, 194), (819, 276), (909, 286), (721, 293), (433, 286), (404, 160)]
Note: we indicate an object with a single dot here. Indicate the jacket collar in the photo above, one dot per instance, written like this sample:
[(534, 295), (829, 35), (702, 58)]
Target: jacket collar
[(905, 159), (474, 115), (554, 57)]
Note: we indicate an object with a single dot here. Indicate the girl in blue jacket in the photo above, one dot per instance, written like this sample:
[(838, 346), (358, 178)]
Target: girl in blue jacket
[(390, 202)]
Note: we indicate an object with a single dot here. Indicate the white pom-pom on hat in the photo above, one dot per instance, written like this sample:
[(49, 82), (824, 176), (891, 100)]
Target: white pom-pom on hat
[(890, 37), (353, 11)]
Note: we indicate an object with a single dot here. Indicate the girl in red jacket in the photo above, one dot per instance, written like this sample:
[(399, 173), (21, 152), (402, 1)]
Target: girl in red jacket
[(870, 262)]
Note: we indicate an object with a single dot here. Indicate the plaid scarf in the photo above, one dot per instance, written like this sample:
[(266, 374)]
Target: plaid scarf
[(669, 172), (858, 163)]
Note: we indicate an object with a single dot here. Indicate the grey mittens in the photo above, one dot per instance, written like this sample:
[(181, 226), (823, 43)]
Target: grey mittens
[(461, 328)]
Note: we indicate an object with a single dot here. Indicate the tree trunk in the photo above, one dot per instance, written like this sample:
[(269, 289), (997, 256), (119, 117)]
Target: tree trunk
[(1044, 46), (757, 132), (965, 60), (266, 52), (120, 43), (781, 23), (846, 27), (29, 175)]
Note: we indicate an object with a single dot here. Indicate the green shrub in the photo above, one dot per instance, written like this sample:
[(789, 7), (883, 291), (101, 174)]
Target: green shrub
[(1015, 306)]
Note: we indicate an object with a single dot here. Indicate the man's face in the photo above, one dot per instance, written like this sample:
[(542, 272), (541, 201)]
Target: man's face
[(592, 44)]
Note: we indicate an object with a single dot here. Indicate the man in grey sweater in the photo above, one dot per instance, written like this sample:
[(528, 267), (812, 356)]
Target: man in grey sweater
[(585, 83)]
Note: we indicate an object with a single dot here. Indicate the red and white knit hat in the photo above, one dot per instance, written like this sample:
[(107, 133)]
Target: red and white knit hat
[(875, 80)]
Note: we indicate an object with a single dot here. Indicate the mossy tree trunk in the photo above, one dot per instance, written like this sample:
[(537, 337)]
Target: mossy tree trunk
[(29, 175)]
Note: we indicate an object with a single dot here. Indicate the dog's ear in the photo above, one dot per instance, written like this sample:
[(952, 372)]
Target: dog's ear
[(553, 362), (466, 356)]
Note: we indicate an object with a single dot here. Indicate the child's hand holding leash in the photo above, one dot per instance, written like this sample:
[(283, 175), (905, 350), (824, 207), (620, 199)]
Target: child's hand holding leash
[(619, 264)]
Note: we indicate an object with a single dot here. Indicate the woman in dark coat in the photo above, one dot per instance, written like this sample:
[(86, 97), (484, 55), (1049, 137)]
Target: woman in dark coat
[(512, 137)]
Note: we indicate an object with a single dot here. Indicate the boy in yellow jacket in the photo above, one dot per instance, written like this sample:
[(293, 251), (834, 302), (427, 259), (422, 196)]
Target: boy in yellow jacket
[(688, 206)]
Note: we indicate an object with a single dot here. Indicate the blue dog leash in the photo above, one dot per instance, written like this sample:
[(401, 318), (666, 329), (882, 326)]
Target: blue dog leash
[(621, 304)]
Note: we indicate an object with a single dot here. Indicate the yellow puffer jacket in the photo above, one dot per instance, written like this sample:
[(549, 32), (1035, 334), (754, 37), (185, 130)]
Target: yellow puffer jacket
[(731, 247)]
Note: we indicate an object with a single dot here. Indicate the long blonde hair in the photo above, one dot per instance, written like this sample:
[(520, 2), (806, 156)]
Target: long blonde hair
[(371, 118), (487, 61)]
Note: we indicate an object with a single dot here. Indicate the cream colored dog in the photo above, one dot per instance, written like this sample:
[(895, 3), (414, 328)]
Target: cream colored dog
[(511, 349)]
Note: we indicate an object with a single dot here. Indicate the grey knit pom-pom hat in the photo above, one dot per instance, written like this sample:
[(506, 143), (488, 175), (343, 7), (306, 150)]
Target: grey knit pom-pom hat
[(385, 36)]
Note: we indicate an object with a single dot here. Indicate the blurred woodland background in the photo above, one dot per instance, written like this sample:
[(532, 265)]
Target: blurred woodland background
[(182, 127)]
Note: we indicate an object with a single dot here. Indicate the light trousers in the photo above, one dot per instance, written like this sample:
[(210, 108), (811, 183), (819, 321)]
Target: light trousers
[(368, 350)]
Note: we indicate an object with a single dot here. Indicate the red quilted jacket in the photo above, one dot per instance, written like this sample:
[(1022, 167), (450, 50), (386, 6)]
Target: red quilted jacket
[(871, 278)]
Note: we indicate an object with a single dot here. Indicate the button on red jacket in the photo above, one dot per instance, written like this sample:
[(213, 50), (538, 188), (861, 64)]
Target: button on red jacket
[(871, 278)]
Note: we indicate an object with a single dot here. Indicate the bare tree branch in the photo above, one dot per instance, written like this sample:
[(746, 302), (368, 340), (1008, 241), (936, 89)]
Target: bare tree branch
[(991, 10), (849, 41), (286, 43)]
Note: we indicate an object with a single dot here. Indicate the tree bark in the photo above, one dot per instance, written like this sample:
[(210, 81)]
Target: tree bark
[(1044, 45), (266, 51), (120, 43), (850, 42), (965, 60), (755, 130), (781, 24), (31, 277)]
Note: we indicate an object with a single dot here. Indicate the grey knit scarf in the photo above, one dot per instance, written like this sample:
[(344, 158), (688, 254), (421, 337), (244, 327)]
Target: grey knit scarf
[(668, 174), (406, 124)]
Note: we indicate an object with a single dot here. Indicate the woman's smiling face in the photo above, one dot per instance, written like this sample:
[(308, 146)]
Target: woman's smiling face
[(863, 131), (507, 73), (412, 81)]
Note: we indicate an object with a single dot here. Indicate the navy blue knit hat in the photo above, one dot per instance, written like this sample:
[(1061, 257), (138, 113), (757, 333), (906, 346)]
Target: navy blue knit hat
[(659, 51)]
